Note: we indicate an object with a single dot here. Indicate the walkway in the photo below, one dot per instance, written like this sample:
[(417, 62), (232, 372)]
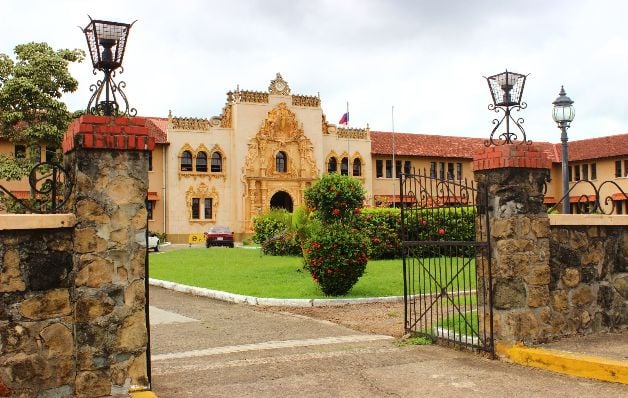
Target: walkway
[(208, 348)]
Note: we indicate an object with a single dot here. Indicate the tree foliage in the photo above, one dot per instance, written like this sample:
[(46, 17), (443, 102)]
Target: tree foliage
[(31, 86)]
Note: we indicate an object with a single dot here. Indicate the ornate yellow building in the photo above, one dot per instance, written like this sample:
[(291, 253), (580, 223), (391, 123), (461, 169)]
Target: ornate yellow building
[(263, 151)]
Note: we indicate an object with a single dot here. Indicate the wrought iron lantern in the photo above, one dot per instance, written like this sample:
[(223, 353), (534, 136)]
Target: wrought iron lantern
[(506, 90), (107, 42)]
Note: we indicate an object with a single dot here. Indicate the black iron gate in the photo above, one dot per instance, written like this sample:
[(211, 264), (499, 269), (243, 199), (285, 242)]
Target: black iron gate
[(446, 260)]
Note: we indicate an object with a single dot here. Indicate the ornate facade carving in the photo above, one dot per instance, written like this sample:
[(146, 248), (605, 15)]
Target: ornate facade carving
[(252, 96), (279, 132), (306, 100), (361, 134), (279, 86), (189, 123), (202, 191), (324, 125), (225, 121), (208, 174)]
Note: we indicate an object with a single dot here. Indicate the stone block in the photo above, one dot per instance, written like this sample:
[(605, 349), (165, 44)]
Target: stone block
[(582, 295), (578, 240), (58, 340), (92, 384), (86, 240), (538, 296), (89, 308), (88, 210), (570, 277), (503, 228), (25, 367), (132, 334), (620, 283), (135, 295), (560, 302), (508, 294), (514, 245), (539, 275), (51, 304), (523, 226), (541, 227), (11, 279), (95, 273), (137, 370), (123, 190)]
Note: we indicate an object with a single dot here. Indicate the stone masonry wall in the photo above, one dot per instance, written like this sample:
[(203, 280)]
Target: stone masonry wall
[(36, 313), (72, 300), (589, 279)]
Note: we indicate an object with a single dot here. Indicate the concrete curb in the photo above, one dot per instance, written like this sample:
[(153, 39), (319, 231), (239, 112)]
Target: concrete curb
[(250, 300), (564, 362)]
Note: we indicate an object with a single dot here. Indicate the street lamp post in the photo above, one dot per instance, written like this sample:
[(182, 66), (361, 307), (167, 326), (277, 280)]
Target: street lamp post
[(106, 42), (563, 114)]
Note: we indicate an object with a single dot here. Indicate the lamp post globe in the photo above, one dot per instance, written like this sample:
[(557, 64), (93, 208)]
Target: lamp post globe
[(563, 114)]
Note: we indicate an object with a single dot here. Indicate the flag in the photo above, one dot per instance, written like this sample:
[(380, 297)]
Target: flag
[(344, 119)]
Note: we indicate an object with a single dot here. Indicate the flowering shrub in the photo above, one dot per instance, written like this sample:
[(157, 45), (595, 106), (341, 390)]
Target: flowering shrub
[(335, 198), (273, 231), (336, 256), (336, 252), (382, 227)]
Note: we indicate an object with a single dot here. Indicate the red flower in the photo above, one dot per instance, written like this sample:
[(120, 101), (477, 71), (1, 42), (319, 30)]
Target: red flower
[(332, 188), (335, 212), (423, 222), (329, 271), (357, 210), (441, 232)]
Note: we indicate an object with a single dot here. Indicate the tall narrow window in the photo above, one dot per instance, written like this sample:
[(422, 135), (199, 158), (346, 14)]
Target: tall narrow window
[(407, 167), (617, 166), (585, 171), (196, 208), (281, 161), (51, 154), (332, 165), (150, 205), (216, 162), (570, 173), (397, 168), (186, 161), (344, 166), (389, 166), (450, 171), (201, 162), (208, 208), (576, 169), (20, 152), (379, 168), (357, 167), (432, 169), (593, 171), (441, 170), (625, 168), (150, 159), (459, 171)]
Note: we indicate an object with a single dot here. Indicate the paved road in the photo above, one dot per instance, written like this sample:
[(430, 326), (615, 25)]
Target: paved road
[(207, 348)]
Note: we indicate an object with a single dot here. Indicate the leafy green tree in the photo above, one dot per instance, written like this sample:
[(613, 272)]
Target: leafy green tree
[(31, 111)]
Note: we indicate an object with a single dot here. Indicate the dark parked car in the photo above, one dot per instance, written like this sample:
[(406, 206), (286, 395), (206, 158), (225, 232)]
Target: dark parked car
[(219, 236)]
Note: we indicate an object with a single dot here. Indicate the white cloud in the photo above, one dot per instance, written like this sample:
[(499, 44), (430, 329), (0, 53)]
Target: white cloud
[(426, 58)]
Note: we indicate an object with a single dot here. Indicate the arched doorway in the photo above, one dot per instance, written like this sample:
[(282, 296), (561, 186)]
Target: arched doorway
[(281, 200)]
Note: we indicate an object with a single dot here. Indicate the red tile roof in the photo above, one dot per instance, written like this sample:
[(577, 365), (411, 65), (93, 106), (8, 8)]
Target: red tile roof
[(596, 148), (157, 127), (464, 147), (424, 145)]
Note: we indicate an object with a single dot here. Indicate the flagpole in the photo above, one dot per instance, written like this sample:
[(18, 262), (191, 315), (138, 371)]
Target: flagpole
[(392, 115), (348, 151)]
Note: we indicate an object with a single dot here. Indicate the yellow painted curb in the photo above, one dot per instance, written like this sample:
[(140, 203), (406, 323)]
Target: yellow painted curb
[(142, 394), (567, 363)]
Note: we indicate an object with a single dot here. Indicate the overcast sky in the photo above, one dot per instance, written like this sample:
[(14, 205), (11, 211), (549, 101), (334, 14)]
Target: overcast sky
[(425, 58)]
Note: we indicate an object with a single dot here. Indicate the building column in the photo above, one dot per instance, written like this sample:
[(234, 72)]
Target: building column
[(514, 176), (109, 159)]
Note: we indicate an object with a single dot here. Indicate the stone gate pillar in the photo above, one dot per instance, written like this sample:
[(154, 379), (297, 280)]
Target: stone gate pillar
[(109, 159), (514, 176)]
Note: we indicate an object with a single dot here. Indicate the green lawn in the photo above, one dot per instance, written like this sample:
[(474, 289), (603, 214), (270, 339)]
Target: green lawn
[(248, 272)]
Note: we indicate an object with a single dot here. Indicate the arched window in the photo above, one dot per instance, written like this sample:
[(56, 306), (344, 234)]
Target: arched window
[(216, 162), (344, 167), (186, 161), (357, 168), (281, 161), (332, 165), (201, 162)]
